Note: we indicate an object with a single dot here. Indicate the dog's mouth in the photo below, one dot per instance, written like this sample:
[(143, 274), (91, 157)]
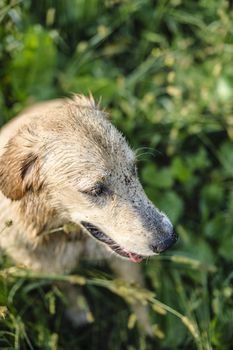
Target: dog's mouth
[(102, 237)]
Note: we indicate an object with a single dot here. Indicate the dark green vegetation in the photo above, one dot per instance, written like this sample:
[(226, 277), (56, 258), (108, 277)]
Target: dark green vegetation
[(164, 71)]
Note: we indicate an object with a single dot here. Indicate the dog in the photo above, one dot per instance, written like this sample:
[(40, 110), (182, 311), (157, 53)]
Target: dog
[(63, 162)]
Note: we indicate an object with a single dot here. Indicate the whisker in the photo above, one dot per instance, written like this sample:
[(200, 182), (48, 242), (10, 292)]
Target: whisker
[(149, 151), (144, 153), (142, 148)]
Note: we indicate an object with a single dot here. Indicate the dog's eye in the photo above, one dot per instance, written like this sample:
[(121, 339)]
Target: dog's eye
[(98, 189)]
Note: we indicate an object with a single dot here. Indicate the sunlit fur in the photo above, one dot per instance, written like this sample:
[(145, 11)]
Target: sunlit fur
[(51, 158)]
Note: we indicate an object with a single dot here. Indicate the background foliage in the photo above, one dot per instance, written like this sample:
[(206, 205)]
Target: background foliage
[(164, 72)]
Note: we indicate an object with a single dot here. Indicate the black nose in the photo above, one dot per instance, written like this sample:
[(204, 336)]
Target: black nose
[(165, 244)]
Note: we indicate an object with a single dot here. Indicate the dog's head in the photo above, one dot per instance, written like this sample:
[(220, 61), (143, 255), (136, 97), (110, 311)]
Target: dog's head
[(88, 171)]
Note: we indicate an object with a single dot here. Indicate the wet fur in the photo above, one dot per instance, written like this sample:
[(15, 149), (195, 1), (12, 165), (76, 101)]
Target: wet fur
[(51, 157)]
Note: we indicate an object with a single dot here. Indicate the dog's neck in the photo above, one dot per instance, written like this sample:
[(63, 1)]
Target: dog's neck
[(42, 222), (36, 215)]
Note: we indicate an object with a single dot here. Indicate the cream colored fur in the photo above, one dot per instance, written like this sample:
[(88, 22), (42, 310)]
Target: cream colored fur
[(51, 158)]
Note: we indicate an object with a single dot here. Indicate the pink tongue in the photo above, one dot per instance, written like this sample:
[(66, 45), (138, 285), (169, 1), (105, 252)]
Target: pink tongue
[(135, 258)]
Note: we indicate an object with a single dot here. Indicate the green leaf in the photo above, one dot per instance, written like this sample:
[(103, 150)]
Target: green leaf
[(171, 204), (157, 178), (226, 157), (180, 170), (33, 64)]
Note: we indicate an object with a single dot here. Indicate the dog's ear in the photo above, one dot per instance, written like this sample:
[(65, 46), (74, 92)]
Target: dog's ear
[(20, 166)]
